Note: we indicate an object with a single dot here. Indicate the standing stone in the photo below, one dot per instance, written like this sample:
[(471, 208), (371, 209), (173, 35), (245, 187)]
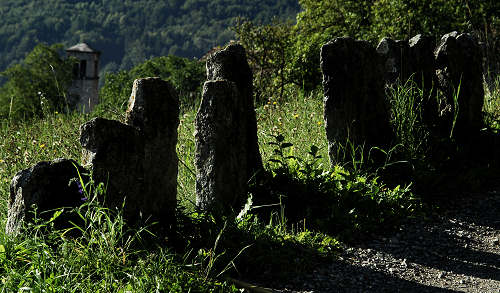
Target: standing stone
[(47, 186), (115, 153), (395, 59), (411, 63), (355, 108), (154, 110), (227, 151), (231, 64), (221, 147), (459, 70), (138, 160), (421, 59)]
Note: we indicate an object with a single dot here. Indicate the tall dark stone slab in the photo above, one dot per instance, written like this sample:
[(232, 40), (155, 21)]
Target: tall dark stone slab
[(46, 186), (231, 64), (115, 153), (459, 70), (395, 60), (221, 147), (154, 110), (355, 107), (421, 59), (138, 160)]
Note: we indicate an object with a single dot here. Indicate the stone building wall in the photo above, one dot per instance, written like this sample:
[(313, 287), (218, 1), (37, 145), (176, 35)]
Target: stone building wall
[(84, 91)]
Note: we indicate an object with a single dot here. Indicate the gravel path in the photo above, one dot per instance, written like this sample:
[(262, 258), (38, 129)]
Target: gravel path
[(458, 251)]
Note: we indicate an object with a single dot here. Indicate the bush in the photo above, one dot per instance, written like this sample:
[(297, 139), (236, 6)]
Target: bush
[(290, 54), (39, 83)]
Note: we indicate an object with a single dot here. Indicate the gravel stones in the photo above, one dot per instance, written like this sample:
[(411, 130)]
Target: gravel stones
[(452, 252)]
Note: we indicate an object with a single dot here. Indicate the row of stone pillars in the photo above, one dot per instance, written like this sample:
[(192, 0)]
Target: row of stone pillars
[(137, 160), (356, 74), (138, 163)]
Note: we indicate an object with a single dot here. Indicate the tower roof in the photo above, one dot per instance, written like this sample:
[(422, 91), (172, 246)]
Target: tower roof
[(83, 48)]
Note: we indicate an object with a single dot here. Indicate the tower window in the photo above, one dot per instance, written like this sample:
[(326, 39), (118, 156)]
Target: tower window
[(96, 66), (76, 70), (83, 68)]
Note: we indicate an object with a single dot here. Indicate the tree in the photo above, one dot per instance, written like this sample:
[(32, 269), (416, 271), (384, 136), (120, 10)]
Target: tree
[(39, 82), (268, 48), (186, 75), (321, 21)]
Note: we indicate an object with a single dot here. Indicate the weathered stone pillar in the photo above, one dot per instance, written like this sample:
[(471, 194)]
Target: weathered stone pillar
[(47, 186), (421, 59), (355, 107), (231, 64), (395, 60), (138, 160), (227, 152), (154, 110), (221, 148), (115, 153), (459, 70)]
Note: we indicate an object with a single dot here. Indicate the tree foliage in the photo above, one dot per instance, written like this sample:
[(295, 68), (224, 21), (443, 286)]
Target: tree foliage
[(268, 49), (39, 82), (128, 32), (186, 75), (320, 21)]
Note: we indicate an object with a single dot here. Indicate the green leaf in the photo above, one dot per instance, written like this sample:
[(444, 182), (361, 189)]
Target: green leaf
[(56, 215)]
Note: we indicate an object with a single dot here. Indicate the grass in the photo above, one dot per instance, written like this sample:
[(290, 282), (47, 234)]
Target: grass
[(109, 257), (491, 106), (299, 214)]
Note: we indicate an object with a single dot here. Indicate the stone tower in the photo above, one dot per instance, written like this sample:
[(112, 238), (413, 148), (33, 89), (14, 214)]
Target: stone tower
[(84, 90)]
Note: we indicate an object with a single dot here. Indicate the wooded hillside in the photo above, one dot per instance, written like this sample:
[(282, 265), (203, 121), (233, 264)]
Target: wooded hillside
[(129, 32)]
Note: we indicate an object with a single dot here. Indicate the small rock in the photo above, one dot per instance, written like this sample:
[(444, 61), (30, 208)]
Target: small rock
[(47, 186)]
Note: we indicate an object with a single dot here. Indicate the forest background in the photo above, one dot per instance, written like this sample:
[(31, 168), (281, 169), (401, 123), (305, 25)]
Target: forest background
[(282, 39)]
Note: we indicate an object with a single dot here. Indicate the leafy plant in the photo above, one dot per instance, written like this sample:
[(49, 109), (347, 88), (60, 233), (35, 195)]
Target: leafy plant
[(406, 114), (279, 157), (37, 85), (268, 48)]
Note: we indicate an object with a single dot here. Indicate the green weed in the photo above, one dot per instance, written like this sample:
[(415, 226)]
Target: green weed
[(406, 105), (107, 256), (491, 106)]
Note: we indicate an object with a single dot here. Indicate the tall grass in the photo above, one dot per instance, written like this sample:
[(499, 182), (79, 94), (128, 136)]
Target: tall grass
[(312, 206), (491, 106), (406, 102), (24, 144), (299, 119), (107, 256)]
